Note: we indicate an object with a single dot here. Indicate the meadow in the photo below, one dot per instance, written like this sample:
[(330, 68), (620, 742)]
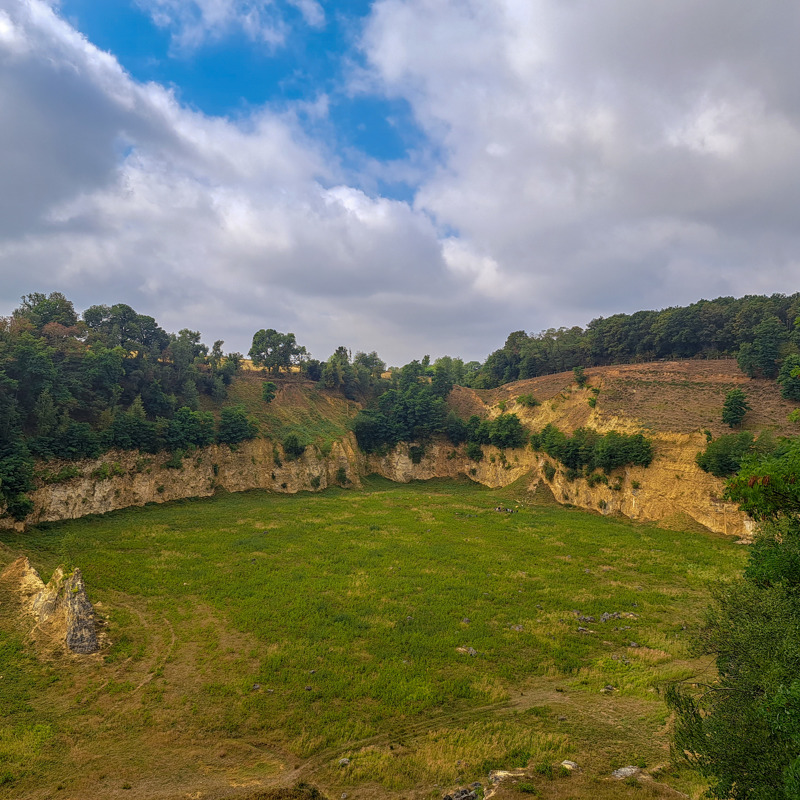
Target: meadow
[(258, 639)]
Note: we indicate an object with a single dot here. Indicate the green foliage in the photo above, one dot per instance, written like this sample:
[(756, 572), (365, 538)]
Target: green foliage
[(759, 358), (723, 456), (506, 431), (767, 485), (235, 426), (275, 351), (108, 470), (474, 451), (455, 429), (62, 475), (579, 376), (734, 408), (743, 730), (409, 412), (16, 478), (588, 450), (416, 453), (789, 378), (549, 472), (268, 391), (292, 447), (527, 401), (755, 327), (189, 429)]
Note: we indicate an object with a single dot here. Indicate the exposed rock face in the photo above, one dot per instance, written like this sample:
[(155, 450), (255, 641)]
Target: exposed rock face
[(61, 608), (673, 490)]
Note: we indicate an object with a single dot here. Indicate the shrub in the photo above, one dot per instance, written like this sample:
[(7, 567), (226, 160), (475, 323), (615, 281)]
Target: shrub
[(235, 426), (292, 447), (474, 451), (723, 456), (268, 392), (506, 431), (549, 472), (588, 449), (734, 408), (416, 453), (341, 476), (527, 401)]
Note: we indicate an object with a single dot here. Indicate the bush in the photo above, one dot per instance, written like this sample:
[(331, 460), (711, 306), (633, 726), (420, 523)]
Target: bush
[(723, 456), (527, 401), (734, 408), (474, 451), (789, 378), (590, 450), (292, 447), (235, 426), (455, 429), (268, 391), (549, 472), (506, 431), (416, 453)]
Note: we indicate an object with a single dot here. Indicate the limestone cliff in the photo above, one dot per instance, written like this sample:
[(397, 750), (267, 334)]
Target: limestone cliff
[(672, 490)]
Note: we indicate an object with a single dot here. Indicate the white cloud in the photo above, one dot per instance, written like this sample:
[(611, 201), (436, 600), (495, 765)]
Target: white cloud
[(574, 134), (193, 23), (124, 195), (585, 158)]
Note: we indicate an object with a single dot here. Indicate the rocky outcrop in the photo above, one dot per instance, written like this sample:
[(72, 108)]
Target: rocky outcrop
[(122, 478), (672, 491), (61, 609)]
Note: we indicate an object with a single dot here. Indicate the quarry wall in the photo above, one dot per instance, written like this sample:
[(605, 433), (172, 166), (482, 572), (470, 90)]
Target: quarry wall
[(672, 490)]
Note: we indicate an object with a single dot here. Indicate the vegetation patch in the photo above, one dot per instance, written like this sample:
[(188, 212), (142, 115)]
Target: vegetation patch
[(328, 625)]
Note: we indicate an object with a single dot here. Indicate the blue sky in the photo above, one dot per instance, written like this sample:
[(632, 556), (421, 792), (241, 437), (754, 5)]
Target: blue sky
[(233, 74), (404, 176)]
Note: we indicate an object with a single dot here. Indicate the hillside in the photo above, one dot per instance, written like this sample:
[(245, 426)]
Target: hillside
[(671, 402)]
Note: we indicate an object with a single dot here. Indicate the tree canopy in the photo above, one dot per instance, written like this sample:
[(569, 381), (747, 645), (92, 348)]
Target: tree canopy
[(742, 730)]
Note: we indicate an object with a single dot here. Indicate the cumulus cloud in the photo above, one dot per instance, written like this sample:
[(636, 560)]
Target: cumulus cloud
[(605, 156), (122, 194), (582, 158)]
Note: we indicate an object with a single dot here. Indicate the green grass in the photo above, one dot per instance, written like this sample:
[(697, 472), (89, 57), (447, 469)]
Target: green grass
[(348, 610), (315, 417)]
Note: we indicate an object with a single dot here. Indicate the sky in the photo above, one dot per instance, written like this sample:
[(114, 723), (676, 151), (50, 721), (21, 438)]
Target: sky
[(408, 176)]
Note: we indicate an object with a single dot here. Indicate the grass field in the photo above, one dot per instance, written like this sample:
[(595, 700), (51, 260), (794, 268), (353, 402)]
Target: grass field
[(257, 639)]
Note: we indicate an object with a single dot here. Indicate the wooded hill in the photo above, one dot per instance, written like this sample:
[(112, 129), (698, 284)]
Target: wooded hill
[(73, 386)]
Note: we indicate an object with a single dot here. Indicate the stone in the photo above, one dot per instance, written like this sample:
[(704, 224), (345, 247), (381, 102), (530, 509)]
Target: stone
[(570, 765), (343, 762), (625, 772)]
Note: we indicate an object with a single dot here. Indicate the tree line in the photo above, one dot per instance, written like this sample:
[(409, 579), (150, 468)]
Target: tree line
[(760, 331)]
